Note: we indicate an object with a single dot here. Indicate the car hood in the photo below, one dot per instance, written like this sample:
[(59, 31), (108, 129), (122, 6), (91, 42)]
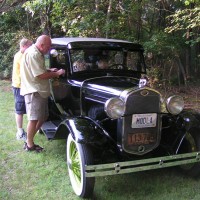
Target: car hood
[(109, 86)]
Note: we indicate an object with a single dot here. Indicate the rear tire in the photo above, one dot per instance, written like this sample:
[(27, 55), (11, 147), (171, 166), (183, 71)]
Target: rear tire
[(79, 155)]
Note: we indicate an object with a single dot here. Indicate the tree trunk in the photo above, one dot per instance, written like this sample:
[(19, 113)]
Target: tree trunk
[(108, 17), (139, 25), (97, 10), (182, 70), (188, 55), (45, 20)]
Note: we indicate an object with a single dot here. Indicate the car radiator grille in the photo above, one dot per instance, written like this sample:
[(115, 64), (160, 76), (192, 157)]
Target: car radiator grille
[(144, 138), (143, 101)]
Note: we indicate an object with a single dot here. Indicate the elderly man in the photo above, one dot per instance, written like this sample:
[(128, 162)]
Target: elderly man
[(20, 108), (35, 87)]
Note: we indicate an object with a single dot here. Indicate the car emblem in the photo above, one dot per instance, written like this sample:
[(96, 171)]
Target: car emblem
[(144, 92)]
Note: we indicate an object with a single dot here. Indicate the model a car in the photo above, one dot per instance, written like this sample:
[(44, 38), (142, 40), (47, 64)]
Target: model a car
[(112, 121)]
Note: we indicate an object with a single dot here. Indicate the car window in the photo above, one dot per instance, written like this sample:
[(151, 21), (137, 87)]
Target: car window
[(58, 58), (92, 59)]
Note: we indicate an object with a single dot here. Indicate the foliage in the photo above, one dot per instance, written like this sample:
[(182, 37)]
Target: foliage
[(187, 19), (14, 25), (166, 28), (164, 45), (188, 2), (82, 18)]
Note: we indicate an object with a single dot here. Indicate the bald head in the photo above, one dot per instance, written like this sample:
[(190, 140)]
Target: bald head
[(43, 43)]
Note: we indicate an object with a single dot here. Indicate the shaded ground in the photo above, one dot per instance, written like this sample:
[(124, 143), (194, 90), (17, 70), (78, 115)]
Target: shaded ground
[(190, 94)]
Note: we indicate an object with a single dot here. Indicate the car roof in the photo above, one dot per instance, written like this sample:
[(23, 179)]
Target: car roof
[(67, 40), (87, 42)]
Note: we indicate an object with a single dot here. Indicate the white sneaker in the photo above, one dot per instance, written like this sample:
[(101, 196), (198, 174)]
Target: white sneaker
[(21, 136)]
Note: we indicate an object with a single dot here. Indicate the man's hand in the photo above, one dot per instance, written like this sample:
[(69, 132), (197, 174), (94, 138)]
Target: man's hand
[(53, 69), (60, 72)]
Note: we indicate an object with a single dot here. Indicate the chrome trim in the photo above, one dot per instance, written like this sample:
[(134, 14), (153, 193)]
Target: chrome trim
[(141, 165), (130, 90)]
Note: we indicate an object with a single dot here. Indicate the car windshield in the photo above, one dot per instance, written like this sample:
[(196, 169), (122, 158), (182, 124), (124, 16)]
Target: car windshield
[(95, 59)]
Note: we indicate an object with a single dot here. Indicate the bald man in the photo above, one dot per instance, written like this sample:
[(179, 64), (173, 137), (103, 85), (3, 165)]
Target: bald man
[(35, 87)]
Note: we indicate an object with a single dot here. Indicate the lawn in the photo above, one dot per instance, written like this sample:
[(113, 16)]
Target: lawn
[(31, 176)]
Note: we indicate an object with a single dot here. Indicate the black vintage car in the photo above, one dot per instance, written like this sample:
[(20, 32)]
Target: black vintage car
[(112, 121)]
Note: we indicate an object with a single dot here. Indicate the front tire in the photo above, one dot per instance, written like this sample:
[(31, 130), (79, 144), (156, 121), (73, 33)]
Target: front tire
[(79, 155), (191, 143)]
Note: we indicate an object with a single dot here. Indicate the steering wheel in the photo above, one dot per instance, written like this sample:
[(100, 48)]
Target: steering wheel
[(116, 66)]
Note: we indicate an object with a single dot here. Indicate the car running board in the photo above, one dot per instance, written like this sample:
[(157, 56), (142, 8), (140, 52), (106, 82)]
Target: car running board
[(49, 129)]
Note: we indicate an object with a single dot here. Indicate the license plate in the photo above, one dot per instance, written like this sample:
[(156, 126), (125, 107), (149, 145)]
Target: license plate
[(141, 138), (144, 120)]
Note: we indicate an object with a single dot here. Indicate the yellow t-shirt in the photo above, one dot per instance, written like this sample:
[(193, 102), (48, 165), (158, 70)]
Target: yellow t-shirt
[(33, 65), (16, 79)]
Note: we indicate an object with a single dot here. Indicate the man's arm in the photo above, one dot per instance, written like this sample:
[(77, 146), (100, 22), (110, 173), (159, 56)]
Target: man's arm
[(51, 74)]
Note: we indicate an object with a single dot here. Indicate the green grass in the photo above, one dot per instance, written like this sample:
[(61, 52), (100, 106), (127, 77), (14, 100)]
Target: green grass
[(31, 176)]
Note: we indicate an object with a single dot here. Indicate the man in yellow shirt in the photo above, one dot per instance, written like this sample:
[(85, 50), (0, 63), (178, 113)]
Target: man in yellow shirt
[(20, 108)]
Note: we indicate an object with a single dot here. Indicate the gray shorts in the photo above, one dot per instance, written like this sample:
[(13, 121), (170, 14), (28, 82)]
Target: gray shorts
[(36, 107)]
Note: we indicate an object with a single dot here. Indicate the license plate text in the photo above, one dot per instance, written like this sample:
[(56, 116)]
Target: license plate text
[(144, 120)]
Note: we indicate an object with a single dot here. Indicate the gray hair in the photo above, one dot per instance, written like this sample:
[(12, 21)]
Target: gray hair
[(25, 42)]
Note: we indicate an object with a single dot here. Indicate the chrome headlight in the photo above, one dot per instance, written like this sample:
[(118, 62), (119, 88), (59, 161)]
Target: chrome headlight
[(114, 108), (175, 104)]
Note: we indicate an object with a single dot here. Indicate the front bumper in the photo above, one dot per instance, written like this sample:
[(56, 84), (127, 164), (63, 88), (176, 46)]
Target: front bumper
[(141, 165)]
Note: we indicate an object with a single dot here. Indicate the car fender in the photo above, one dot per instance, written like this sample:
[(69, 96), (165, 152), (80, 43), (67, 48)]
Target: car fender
[(189, 119), (84, 130)]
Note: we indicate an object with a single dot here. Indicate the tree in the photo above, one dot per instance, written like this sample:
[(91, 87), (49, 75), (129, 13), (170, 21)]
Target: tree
[(186, 22), (7, 5), (159, 25)]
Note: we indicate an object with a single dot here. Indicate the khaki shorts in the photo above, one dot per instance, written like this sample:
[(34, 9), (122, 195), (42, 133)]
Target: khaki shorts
[(36, 107)]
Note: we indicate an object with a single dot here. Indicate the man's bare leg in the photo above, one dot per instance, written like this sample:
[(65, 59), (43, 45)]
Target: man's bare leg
[(31, 131), (20, 134), (19, 120), (39, 124)]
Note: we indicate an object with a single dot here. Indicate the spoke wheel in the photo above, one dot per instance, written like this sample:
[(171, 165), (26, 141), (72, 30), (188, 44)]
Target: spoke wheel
[(190, 144), (79, 155)]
